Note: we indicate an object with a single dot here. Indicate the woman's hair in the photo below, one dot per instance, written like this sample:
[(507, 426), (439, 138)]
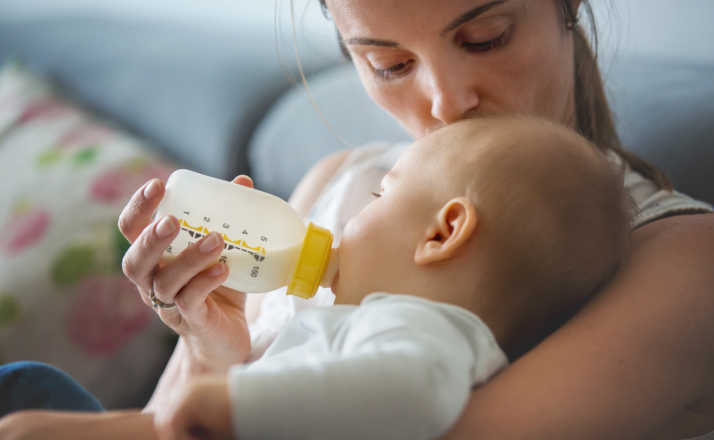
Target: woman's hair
[(594, 118)]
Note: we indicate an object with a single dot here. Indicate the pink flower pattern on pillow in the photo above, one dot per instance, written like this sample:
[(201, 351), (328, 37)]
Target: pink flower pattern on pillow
[(44, 108), (119, 183), (105, 314), (26, 226)]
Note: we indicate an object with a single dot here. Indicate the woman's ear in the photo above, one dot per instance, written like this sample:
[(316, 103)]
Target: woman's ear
[(452, 228)]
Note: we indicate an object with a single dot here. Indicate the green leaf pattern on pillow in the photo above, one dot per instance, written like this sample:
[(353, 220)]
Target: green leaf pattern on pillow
[(73, 264), (9, 309)]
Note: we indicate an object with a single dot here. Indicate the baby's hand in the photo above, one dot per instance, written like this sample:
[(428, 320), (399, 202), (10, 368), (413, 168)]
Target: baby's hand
[(201, 411)]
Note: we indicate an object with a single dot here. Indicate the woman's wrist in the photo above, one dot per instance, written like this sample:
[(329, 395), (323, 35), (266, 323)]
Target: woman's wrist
[(185, 364), (200, 358)]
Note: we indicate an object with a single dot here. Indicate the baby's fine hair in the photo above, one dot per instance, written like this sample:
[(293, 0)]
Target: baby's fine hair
[(555, 212)]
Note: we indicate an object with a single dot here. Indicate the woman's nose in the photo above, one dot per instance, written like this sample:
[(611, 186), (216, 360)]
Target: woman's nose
[(452, 98)]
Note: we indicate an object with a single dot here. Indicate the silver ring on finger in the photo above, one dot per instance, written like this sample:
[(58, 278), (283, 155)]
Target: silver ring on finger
[(156, 303)]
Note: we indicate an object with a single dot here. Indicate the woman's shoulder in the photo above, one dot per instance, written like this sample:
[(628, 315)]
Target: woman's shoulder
[(654, 203)]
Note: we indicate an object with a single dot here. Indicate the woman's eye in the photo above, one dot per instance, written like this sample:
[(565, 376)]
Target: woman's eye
[(484, 46), (394, 71)]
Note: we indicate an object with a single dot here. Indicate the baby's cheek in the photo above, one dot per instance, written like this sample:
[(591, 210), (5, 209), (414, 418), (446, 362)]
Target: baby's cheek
[(355, 230)]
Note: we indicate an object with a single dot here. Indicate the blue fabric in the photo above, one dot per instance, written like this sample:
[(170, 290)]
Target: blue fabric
[(33, 385)]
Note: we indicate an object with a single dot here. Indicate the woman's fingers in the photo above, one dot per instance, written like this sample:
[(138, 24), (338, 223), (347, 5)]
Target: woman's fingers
[(144, 254), (138, 212), (171, 278), (244, 180), (191, 299)]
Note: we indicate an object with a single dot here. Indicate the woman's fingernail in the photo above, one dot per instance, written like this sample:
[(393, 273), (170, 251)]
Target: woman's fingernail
[(153, 189), (165, 227), (210, 243), (217, 269)]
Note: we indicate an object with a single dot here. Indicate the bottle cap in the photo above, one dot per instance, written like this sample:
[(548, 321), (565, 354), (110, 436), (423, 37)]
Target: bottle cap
[(311, 264)]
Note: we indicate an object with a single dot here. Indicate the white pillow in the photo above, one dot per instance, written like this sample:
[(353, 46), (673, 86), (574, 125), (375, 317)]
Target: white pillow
[(63, 297)]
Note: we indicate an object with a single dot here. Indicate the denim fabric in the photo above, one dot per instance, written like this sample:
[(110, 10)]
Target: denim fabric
[(33, 385)]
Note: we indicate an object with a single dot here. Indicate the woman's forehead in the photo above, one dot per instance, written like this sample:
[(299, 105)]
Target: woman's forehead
[(374, 15), (355, 17)]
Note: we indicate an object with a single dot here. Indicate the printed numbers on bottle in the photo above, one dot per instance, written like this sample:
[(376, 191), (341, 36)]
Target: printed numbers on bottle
[(254, 272)]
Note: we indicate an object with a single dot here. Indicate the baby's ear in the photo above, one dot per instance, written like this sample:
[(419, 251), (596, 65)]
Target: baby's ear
[(451, 229)]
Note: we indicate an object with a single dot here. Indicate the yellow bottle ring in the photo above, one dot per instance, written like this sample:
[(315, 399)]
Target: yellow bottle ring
[(311, 264)]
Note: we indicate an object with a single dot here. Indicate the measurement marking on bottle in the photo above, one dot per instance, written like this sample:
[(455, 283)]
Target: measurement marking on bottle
[(254, 272)]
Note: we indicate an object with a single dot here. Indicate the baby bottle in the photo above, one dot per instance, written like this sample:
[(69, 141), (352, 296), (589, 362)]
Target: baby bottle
[(266, 243)]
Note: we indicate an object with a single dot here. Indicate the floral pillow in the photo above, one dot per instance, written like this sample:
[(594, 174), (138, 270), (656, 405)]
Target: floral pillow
[(63, 297)]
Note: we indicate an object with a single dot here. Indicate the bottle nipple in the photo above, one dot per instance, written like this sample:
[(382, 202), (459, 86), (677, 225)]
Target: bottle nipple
[(328, 277)]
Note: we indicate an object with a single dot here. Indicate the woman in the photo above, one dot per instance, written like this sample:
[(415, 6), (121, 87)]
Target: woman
[(432, 65)]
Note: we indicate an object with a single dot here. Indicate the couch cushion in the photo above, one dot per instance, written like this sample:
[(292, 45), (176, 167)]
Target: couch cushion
[(300, 130)]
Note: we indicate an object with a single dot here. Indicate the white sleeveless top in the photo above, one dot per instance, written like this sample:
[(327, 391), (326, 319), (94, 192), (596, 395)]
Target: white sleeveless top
[(350, 190)]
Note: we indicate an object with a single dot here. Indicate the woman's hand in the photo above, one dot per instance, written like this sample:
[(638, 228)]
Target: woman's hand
[(202, 410), (209, 318)]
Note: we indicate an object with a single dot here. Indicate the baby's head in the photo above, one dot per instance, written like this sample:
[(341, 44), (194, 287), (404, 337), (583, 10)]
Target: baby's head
[(510, 217)]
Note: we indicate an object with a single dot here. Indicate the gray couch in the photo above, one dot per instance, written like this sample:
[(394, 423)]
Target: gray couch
[(202, 81)]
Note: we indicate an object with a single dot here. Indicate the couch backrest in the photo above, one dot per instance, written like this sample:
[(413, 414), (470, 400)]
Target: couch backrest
[(194, 77)]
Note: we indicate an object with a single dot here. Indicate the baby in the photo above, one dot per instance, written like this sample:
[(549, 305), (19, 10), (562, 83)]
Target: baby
[(485, 236)]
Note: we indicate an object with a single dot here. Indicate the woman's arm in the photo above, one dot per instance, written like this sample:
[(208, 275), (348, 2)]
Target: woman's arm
[(636, 362)]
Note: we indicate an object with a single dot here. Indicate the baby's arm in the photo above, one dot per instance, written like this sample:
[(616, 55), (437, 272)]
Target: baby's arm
[(58, 425), (399, 370)]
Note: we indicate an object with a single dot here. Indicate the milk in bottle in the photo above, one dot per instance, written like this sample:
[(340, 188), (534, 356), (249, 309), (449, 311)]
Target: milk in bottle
[(266, 243)]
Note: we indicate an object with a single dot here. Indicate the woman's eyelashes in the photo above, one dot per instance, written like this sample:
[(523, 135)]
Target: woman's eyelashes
[(484, 46), (397, 70), (403, 68)]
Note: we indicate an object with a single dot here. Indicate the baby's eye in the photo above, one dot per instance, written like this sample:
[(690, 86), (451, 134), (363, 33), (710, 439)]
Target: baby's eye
[(376, 194)]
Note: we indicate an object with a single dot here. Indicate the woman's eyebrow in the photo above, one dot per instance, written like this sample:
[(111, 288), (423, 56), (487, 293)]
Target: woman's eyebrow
[(470, 15), (371, 42)]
